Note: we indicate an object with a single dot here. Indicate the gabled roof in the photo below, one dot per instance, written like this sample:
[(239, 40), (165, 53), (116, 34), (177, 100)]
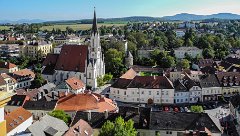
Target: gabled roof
[(121, 83), (151, 82), (78, 56), (51, 59), (182, 121), (130, 74), (75, 83), (209, 80), (48, 124), (82, 128), (179, 86), (16, 118), (30, 93), (18, 100), (23, 73)]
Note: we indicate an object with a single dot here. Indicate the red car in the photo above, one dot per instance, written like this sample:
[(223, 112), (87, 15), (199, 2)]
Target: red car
[(166, 109), (176, 109)]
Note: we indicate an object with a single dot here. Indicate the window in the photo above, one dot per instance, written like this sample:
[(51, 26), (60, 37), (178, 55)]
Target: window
[(150, 92), (142, 92), (133, 93), (118, 91), (157, 92), (125, 93), (137, 99), (190, 99), (166, 92)]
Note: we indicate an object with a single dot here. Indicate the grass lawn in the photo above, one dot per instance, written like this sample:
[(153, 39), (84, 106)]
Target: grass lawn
[(78, 26), (4, 27)]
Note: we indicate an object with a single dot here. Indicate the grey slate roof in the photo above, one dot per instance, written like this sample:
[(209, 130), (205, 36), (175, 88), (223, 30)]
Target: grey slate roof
[(209, 80), (40, 105), (183, 121), (48, 124)]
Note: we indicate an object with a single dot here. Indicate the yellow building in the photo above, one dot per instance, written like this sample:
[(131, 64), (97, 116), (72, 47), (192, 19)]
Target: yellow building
[(35, 49), (4, 98)]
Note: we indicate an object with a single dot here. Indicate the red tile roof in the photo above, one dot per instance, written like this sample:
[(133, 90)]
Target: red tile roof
[(83, 102), (75, 83), (24, 72), (130, 74), (72, 58), (16, 117), (7, 65), (80, 129)]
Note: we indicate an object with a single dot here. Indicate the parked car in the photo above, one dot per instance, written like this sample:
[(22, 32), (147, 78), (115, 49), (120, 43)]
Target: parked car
[(166, 109)]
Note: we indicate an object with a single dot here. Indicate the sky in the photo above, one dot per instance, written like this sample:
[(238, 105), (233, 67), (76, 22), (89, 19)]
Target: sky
[(83, 9)]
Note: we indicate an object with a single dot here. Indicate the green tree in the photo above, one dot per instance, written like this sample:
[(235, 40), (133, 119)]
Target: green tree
[(60, 114), (38, 81), (118, 128), (208, 53), (197, 109), (184, 63)]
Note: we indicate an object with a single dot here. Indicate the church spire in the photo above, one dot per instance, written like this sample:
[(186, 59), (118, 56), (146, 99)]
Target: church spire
[(94, 25)]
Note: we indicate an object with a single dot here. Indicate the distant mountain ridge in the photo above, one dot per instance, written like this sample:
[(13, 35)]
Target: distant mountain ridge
[(181, 17), (189, 17)]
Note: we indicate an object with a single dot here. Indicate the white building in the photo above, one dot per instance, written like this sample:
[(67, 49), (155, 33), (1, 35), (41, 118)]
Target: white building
[(211, 89), (143, 89), (180, 32), (191, 51), (83, 62)]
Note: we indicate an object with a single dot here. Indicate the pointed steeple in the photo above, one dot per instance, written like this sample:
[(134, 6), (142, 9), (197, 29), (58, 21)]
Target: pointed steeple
[(94, 25)]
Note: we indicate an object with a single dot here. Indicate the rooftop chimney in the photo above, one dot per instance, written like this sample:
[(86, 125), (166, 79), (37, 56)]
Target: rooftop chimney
[(106, 114), (53, 95), (89, 115)]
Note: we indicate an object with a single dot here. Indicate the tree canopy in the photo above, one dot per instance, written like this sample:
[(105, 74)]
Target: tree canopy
[(118, 128)]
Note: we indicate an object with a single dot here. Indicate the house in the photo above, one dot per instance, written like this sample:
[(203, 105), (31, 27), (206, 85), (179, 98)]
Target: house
[(180, 53), (9, 50), (229, 81), (174, 124), (180, 32), (187, 90), (85, 102), (81, 128), (143, 89), (181, 94), (5, 97), (7, 67), (194, 88), (40, 107), (23, 78), (16, 102), (35, 49), (7, 83), (87, 65), (18, 121), (49, 126), (211, 89), (234, 106), (73, 85)]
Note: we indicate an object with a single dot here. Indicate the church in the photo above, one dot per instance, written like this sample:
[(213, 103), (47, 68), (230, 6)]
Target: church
[(81, 61)]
